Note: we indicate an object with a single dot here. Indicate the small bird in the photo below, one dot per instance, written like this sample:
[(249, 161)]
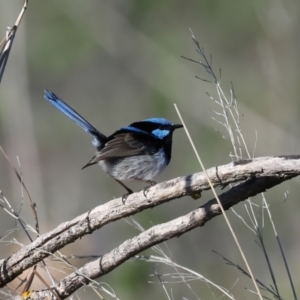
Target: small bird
[(138, 152)]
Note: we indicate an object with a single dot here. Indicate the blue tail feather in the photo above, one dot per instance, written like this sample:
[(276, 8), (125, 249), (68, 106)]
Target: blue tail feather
[(73, 115)]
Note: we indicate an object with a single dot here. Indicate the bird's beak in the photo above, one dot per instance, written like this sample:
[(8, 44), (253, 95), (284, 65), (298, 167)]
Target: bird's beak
[(175, 126)]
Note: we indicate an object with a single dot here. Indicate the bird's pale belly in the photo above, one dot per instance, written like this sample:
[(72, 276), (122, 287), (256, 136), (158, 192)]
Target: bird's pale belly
[(141, 167)]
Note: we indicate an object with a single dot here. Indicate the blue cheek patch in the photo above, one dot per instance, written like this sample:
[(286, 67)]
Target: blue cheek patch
[(160, 133)]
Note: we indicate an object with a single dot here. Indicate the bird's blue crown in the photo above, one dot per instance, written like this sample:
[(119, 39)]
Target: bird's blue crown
[(158, 121)]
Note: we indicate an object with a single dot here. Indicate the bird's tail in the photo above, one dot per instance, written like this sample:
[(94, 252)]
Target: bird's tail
[(99, 138)]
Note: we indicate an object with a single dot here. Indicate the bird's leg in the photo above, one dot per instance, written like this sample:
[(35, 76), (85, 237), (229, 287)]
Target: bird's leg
[(129, 191)]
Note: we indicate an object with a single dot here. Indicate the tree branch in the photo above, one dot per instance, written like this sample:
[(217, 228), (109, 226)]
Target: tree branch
[(257, 175)]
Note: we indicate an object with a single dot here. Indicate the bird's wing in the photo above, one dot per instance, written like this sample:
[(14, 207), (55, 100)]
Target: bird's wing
[(126, 144)]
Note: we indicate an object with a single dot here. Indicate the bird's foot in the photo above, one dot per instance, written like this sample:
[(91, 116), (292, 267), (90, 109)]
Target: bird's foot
[(129, 191), (124, 197), (146, 189)]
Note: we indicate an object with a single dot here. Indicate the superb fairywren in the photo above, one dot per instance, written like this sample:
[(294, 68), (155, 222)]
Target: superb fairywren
[(137, 152)]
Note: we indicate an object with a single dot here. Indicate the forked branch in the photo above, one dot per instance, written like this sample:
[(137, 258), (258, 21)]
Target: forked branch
[(255, 175)]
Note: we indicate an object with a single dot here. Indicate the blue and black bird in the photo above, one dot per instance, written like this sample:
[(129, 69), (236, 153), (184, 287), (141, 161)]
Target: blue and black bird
[(138, 152)]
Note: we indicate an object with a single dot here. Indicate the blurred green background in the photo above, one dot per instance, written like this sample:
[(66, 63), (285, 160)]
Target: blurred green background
[(116, 62)]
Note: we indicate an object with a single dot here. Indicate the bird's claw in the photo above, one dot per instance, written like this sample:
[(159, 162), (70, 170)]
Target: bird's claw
[(146, 189), (124, 197)]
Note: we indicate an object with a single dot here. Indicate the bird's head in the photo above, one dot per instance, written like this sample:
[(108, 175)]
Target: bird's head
[(161, 128)]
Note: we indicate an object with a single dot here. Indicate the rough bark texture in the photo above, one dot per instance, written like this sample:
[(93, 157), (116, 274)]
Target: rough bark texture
[(255, 176)]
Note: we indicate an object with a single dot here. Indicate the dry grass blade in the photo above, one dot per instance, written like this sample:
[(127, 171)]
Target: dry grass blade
[(220, 204), (7, 42), (32, 204)]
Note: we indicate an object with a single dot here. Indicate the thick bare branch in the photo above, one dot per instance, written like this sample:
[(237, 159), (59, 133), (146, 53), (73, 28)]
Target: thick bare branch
[(257, 176)]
